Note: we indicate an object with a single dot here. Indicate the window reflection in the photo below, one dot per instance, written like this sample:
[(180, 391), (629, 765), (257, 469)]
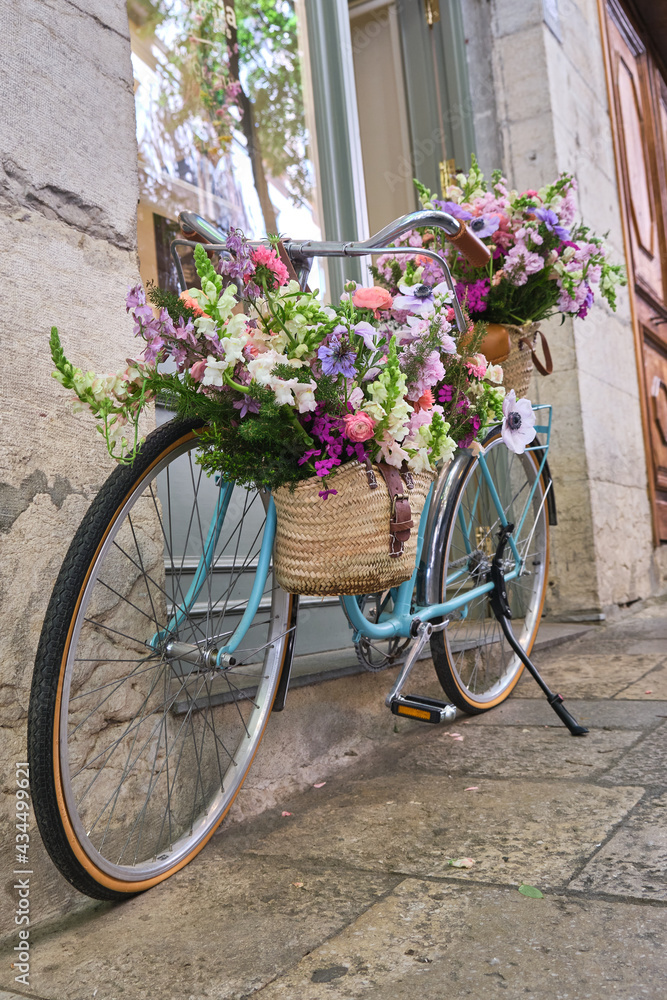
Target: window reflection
[(221, 123)]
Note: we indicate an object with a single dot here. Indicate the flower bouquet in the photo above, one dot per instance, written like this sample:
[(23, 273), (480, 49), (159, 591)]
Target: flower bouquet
[(315, 402), (542, 264)]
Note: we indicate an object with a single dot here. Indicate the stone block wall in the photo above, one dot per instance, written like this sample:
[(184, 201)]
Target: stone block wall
[(552, 115), (68, 196)]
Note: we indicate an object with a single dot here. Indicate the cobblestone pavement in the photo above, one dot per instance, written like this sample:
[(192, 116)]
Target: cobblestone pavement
[(353, 896)]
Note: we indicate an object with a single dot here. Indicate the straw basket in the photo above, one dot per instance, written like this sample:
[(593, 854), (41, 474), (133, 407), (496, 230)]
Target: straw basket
[(340, 545), (518, 364)]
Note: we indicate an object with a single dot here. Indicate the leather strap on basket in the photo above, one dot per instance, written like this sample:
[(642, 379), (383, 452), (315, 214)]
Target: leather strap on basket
[(548, 366), (400, 520)]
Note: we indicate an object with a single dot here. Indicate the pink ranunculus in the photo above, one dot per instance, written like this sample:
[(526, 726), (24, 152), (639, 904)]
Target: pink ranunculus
[(197, 370), (359, 426), (373, 298), (188, 301)]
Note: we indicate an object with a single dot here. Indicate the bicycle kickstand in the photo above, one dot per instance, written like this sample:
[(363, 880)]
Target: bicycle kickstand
[(502, 611), (418, 706)]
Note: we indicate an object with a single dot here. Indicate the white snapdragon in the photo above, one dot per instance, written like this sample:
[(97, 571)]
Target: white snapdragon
[(261, 367), (283, 390), (214, 371), (305, 396), (206, 327)]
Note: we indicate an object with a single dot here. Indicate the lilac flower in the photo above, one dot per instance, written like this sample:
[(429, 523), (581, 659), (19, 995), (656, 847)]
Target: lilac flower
[(484, 225), (368, 334), (338, 359), (458, 211), (518, 427), (550, 220), (135, 297), (246, 405)]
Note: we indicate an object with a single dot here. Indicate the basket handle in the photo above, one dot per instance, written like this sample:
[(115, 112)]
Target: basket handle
[(548, 366)]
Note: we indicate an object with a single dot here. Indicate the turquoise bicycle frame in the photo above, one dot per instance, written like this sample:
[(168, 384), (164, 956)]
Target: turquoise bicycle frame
[(400, 621)]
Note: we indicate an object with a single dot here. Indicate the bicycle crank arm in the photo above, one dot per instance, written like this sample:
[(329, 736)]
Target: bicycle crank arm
[(413, 705), (503, 613)]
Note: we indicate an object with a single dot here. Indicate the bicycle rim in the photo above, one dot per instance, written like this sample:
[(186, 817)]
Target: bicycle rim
[(475, 665), (151, 740)]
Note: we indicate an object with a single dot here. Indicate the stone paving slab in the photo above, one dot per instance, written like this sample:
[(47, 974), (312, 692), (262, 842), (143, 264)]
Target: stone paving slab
[(223, 927), (516, 831), (652, 685), (433, 942), (532, 753), (591, 676), (616, 714), (645, 763), (634, 861)]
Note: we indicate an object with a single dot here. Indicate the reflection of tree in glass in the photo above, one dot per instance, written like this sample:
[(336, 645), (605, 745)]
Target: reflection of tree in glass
[(217, 55)]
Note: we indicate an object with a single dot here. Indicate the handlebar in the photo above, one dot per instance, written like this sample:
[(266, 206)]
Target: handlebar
[(472, 248), (195, 228)]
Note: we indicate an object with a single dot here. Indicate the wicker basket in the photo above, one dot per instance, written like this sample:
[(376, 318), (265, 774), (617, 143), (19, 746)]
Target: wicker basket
[(340, 545), (518, 366)]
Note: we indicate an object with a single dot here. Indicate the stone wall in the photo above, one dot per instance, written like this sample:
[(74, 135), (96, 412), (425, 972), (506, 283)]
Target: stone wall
[(552, 115), (68, 196)]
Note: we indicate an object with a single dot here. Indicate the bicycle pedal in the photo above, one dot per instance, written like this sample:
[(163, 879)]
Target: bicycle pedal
[(425, 709)]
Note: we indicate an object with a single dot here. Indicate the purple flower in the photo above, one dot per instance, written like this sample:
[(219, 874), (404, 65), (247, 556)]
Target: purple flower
[(325, 494), (518, 427), (587, 303), (484, 225), (246, 405), (367, 333), (338, 359), (309, 454), (550, 220), (458, 211), (446, 393), (135, 297)]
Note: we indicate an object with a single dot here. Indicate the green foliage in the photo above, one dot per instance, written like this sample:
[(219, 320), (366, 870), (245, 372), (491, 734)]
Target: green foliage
[(170, 301)]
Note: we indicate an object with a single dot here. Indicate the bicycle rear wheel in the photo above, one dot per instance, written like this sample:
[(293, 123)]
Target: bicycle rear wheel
[(138, 740), (474, 663)]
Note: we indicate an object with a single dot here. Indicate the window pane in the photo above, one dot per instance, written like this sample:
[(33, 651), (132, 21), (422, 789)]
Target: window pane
[(221, 122)]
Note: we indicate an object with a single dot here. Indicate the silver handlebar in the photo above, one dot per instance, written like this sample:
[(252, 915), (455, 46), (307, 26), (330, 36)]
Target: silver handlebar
[(301, 252)]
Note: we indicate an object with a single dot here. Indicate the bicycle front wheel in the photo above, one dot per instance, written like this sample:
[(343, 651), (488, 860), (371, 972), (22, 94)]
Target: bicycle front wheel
[(138, 739), (474, 663)]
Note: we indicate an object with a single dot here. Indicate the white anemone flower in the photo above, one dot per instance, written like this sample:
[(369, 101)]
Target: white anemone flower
[(518, 428)]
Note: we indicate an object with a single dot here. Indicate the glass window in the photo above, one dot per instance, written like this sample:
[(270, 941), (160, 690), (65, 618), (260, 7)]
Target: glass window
[(221, 122)]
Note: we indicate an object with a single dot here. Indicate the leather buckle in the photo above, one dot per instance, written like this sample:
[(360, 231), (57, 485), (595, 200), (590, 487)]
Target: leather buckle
[(394, 500)]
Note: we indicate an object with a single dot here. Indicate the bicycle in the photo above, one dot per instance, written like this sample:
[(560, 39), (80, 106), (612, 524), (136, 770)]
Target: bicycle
[(167, 644)]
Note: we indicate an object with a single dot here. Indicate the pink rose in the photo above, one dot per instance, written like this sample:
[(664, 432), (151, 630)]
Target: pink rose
[(358, 426), (372, 298)]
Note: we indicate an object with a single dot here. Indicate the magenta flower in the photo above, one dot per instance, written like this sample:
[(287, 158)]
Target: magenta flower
[(518, 427)]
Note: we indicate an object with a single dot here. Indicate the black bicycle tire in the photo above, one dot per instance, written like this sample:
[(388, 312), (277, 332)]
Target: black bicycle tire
[(51, 650)]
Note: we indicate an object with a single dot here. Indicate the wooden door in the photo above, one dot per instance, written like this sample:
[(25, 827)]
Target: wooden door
[(639, 110)]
